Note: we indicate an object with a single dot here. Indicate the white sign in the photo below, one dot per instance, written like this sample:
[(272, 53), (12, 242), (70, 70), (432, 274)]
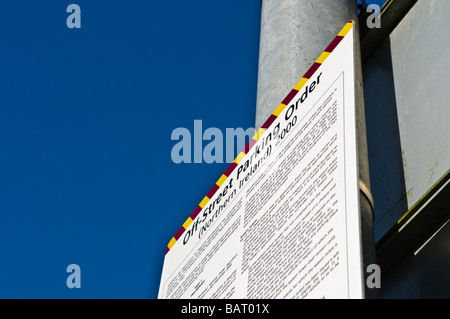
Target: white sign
[(283, 221)]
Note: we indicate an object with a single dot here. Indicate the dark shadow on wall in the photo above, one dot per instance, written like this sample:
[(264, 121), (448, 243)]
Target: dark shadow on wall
[(387, 177), (423, 275)]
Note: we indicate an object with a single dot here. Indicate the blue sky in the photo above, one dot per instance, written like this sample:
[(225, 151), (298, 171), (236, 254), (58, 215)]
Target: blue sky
[(86, 118)]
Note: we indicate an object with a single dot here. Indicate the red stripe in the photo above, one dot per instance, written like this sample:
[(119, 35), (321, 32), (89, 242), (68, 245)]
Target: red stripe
[(289, 97), (312, 70), (249, 146), (212, 191), (179, 233), (334, 44), (196, 212), (167, 250), (230, 169), (269, 122)]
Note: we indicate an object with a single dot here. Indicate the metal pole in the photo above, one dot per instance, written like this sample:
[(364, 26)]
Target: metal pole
[(293, 34)]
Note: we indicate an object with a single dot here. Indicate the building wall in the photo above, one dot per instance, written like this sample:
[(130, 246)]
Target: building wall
[(408, 110)]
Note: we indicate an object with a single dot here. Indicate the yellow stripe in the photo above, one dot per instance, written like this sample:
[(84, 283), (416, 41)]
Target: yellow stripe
[(259, 134), (204, 202), (221, 180), (187, 223), (323, 57), (346, 29), (279, 109), (300, 84), (403, 217), (239, 158), (172, 242)]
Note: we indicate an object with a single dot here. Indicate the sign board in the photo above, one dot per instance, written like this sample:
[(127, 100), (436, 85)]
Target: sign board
[(283, 220)]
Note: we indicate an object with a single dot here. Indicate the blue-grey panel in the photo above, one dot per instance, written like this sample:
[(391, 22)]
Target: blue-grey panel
[(407, 111), (420, 44)]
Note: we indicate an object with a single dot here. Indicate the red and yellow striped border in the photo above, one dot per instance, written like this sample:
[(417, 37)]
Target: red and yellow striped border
[(261, 131)]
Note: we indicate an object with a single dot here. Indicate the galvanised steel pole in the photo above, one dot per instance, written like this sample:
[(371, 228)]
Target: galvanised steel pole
[(293, 35)]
